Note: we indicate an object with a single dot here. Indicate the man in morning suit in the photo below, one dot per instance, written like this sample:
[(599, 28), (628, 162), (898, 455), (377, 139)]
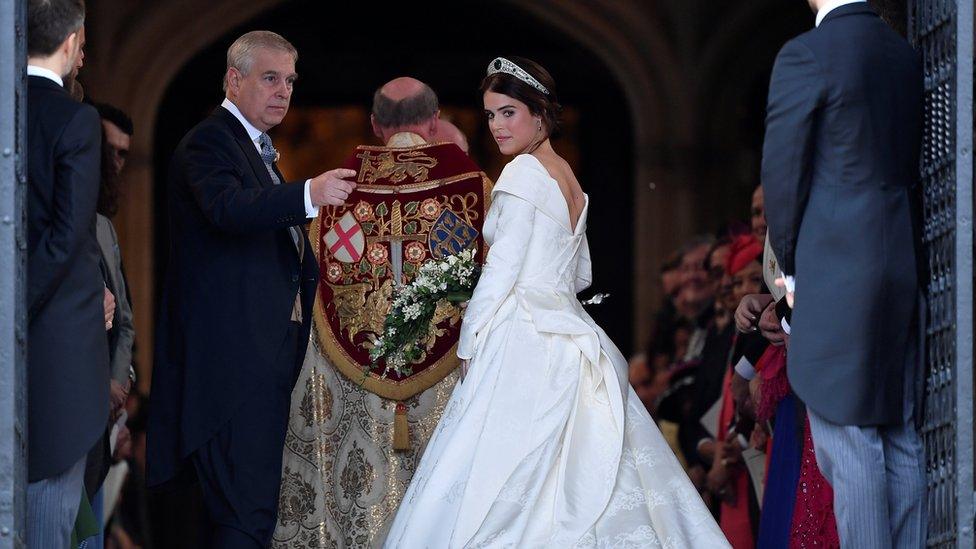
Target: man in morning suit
[(840, 166), (235, 316), (67, 350)]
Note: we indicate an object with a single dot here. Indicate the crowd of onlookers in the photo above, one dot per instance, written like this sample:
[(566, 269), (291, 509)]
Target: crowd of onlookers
[(713, 376)]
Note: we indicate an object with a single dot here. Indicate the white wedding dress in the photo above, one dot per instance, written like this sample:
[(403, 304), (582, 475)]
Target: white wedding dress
[(544, 444)]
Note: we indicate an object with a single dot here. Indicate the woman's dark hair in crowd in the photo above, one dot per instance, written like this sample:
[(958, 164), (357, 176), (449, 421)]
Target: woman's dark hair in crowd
[(544, 105), (722, 241), (671, 263), (113, 114)]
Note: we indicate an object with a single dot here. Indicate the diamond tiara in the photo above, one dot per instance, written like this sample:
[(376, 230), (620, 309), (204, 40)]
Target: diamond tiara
[(500, 64)]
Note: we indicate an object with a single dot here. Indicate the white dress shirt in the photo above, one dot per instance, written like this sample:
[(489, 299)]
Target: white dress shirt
[(831, 6), (34, 70), (311, 211)]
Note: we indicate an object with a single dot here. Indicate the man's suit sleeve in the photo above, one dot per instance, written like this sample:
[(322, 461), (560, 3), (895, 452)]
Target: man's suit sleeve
[(215, 181), (796, 90), (77, 169)]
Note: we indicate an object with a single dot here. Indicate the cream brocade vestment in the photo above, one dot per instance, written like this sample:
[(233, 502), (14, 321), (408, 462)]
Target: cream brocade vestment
[(342, 481)]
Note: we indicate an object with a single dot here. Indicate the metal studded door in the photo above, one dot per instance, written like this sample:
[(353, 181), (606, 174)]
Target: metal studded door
[(13, 254), (942, 31)]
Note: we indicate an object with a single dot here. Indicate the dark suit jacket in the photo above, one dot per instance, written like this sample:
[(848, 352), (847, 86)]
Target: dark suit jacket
[(840, 166), (67, 351), (233, 275)]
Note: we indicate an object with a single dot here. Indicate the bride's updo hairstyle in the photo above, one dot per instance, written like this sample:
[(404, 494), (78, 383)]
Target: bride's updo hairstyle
[(542, 104)]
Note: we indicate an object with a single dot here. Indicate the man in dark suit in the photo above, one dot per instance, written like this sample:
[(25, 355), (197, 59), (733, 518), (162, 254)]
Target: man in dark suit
[(236, 310), (840, 166), (67, 349)]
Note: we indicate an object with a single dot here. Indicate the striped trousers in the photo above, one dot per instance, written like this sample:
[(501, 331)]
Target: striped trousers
[(878, 477), (52, 507)]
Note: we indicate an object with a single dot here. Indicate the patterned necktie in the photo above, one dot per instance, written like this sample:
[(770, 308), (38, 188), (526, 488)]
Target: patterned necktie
[(269, 154)]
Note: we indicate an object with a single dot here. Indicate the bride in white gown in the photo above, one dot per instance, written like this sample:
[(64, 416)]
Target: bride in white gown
[(544, 443)]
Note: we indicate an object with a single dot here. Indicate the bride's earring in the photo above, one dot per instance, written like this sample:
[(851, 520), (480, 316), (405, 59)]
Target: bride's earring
[(540, 125)]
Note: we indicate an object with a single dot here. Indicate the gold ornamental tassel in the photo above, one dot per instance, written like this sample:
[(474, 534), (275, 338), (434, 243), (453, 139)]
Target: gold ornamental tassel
[(401, 430)]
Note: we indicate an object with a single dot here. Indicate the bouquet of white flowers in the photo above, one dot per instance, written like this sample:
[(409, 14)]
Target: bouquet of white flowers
[(406, 327)]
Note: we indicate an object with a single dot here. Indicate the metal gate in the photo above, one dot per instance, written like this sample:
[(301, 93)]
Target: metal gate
[(942, 31), (13, 254)]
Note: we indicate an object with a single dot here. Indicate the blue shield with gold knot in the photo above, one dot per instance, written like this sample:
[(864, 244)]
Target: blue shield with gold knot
[(450, 235)]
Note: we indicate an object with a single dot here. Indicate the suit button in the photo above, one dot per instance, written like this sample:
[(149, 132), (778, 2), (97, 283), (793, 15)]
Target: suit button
[(294, 278)]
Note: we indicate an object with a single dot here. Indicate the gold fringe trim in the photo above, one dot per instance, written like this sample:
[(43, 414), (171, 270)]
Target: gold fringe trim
[(401, 429)]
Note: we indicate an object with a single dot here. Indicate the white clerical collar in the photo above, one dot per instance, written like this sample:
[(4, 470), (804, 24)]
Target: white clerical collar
[(34, 70), (405, 139), (831, 6), (252, 132)]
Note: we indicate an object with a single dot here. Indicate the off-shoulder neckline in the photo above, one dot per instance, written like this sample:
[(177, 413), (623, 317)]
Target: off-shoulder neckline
[(562, 199)]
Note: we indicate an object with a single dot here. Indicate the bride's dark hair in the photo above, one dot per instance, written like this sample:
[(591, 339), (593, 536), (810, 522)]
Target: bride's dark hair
[(540, 104)]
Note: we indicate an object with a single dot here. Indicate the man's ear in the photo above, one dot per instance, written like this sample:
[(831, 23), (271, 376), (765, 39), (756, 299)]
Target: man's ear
[(432, 126), (376, 128), (233, 79), (67, 49)]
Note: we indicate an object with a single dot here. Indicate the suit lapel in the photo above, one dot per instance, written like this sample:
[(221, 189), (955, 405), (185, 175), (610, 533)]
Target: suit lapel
[(247, 146)]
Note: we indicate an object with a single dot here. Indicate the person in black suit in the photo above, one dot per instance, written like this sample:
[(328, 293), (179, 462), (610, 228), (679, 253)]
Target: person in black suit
[(67, 350), (840, 169), (236, 308)]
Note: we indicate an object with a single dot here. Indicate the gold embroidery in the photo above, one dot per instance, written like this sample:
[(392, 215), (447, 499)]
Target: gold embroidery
[(358, 475), (396, 166), (445, 311), (297, 499), (359, 313), (316, 406), (349, 301)]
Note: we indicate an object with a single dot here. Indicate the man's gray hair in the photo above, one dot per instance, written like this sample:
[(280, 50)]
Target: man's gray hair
[(408, 111), (240, 54)]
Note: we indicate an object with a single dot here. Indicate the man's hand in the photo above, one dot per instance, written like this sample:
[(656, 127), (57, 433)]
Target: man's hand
[(118, 395), (331, 187), (749, 310), (123, 444), (740, 393), (108, 302), (781, 282), (770, 327), (731, 452), (706, 449)]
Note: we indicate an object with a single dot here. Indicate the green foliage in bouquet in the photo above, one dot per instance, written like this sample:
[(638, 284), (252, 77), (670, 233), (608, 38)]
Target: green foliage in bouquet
[(407, 325)]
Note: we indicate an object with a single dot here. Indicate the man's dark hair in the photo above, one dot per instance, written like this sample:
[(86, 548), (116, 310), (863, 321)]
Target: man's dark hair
[(408, 111), (115, 115), (49, 22)]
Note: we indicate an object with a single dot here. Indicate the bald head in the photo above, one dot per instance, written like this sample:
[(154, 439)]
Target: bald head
[(405, 105), (447, 131), (403, 87)]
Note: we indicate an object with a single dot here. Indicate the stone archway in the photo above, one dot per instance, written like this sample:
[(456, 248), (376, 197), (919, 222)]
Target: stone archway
[(150, 42)]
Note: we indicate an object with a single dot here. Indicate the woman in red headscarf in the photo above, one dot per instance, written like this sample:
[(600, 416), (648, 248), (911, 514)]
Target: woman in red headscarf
[(728, 478)]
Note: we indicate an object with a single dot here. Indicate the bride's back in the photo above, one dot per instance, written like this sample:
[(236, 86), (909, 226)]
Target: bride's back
[(555, 242)]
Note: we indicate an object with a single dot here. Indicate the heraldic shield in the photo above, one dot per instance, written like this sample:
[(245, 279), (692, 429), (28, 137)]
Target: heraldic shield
[(410, 205)]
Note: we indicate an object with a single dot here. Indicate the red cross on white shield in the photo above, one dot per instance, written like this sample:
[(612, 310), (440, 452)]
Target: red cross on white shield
[(345, 240)]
